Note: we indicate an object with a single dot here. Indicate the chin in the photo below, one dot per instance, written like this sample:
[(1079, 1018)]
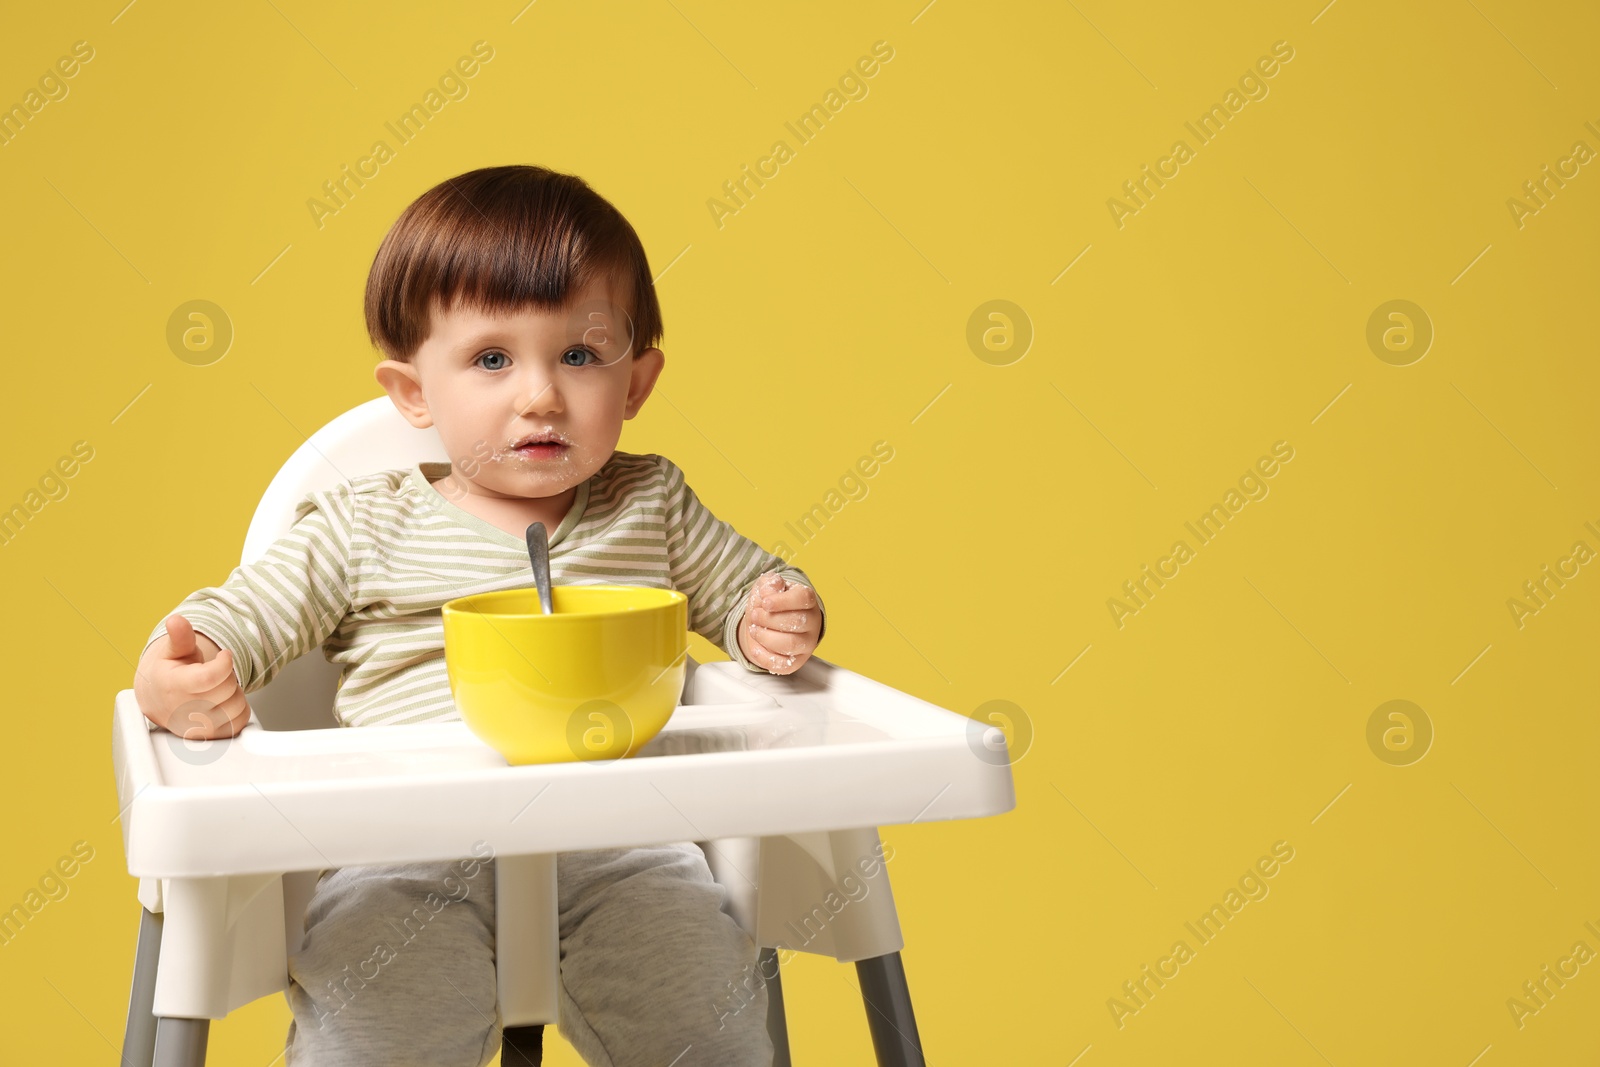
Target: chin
[(540, 484)]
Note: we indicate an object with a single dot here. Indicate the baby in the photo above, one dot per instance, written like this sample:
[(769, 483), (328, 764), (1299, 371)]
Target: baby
[(478, 296)]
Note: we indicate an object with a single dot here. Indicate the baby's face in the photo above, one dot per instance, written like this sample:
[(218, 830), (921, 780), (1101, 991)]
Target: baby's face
[(488, 382)]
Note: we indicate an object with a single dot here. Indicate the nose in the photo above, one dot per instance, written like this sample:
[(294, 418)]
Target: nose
[(537, 394)]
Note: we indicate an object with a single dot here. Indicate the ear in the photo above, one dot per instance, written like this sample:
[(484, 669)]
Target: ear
[(646, 369), (404, 386)]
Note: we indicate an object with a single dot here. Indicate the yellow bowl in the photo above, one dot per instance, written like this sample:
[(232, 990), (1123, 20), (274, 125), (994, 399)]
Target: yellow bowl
[(595, 680)]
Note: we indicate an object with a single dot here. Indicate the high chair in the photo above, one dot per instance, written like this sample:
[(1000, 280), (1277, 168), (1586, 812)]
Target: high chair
[(782, 781)]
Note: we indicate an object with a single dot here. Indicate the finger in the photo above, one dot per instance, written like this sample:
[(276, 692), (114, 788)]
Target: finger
[(793, 622), (777, 663), (758, 592), (197, 720), (185, 701), (769, 584), (216, 694), (237, 710), (201, 720), (197, 678), (795, 597), (756, 650), (781, 643), (788, 664), (180, 637)]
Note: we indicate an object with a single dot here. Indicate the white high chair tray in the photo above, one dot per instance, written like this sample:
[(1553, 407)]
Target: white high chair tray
[(745, 754)]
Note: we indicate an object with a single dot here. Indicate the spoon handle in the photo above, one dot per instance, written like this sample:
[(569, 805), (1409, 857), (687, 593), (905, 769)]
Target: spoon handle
[(539, 556)]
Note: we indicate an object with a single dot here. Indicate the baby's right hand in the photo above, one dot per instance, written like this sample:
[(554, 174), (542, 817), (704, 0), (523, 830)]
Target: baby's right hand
[(180, 690)]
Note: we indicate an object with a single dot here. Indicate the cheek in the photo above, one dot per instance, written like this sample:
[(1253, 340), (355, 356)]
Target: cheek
[(587, 457), (594, 407), (467, 429)]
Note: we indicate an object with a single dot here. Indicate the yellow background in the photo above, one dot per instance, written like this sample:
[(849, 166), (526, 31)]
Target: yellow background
[(830, 313)]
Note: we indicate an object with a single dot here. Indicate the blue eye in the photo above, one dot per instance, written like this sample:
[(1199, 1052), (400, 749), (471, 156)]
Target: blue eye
[(583, 354)]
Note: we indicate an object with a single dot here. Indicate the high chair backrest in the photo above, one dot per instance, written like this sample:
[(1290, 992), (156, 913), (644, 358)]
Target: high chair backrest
[(371, 436)]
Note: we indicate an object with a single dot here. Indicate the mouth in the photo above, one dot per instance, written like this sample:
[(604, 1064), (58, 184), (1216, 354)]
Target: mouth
[(543, 445)]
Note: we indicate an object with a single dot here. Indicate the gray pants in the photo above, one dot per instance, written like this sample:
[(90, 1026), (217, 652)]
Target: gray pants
[(398, 966)]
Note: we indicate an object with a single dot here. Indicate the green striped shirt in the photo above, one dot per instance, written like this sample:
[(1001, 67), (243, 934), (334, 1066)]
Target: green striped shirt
[(369, 563)]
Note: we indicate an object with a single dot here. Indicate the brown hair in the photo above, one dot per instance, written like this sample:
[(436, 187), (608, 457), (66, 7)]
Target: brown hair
[(498, 239)]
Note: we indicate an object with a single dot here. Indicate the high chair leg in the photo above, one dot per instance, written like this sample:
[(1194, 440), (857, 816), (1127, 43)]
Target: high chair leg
[(522, 1046), (181, 1042), (888, 1000), (139, 1039), (777, 1022)]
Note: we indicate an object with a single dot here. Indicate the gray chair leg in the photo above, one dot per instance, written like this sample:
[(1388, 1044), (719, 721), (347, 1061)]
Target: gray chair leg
[(181, 1042), (777, 1022), (139, 1039), (522, 1046), (888, 1000)]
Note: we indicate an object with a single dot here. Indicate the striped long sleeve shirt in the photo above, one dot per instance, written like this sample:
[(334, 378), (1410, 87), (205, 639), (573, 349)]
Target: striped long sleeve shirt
[(369, 563)]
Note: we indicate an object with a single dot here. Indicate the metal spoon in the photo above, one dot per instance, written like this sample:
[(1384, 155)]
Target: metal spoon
[(539, 556)]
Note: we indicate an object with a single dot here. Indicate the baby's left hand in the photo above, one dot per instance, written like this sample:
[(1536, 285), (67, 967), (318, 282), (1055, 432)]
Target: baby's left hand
[(782, 622)]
